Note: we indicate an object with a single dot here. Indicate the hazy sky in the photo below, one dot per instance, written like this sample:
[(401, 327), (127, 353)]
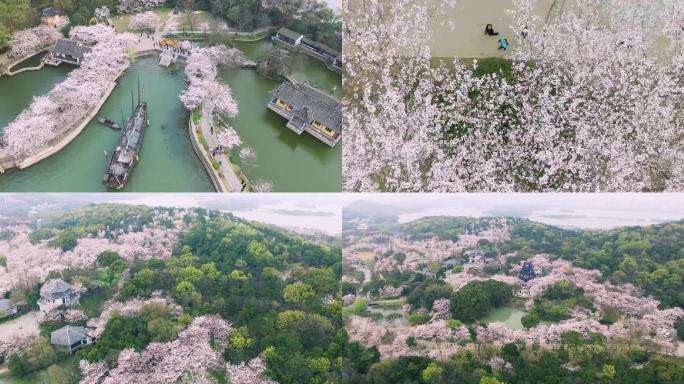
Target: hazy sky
[(312, 211), (564, 209), (322, 211)]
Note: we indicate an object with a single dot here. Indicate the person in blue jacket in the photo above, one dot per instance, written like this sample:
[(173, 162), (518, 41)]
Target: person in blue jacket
[(503, 43)]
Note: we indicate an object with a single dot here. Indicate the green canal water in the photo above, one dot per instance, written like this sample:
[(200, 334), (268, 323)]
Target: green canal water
[(508, 316), (17, 91), (168, 163), (167, 160), (291, 162)]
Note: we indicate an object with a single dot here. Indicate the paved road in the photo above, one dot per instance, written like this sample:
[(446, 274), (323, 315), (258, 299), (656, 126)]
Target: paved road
[(25, 326), (234, 182)]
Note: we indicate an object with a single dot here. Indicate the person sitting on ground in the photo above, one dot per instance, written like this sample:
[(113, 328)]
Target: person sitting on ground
[(503, 43), (489, 30)]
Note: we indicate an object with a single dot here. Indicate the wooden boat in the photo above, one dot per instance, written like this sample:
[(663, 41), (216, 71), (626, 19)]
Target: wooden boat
[(108, 123), (127, 151)]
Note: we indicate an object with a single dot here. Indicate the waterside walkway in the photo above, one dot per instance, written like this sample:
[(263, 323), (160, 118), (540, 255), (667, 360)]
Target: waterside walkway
[(225, 178), (146, 46)]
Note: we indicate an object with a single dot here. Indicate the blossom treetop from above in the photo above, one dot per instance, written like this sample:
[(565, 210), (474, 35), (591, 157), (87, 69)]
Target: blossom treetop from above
[(48, 116), (596, 112), (27, 41), (145, 20), (133, 6)]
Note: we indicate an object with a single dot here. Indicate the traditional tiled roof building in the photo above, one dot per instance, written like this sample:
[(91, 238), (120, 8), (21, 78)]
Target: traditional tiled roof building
[(66, 51), (308, 109), (295, 40), (527, 272), (70, 338), (55, 293)]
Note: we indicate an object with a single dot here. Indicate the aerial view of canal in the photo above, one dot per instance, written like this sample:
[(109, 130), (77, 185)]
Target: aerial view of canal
[(167, 160), (291, 162)]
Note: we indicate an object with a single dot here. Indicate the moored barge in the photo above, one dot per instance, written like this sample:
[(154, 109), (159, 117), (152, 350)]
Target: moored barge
[(127, 151)]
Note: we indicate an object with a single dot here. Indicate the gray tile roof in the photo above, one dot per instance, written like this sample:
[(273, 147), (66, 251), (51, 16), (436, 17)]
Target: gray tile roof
[(321, 47), (290, 34), (56, 288), (48, 12), (311, 104), (70, 48), (67, 335)]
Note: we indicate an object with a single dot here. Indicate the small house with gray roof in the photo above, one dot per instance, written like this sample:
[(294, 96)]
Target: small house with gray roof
[(296, 41), (70, 338), (289, 38), (308, 109), (66, 51), (49, 16), (56, 292)]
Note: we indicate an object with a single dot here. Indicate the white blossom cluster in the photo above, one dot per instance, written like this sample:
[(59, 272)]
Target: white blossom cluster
[(102, 12), (129, 308), (49, 116), (191, 355), (135, 6), (145, 20), (248, 372), (203, 86), (29, 263), (27, 41), (588, 105)]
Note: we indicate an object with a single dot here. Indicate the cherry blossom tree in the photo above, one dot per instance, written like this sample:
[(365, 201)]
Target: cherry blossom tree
[(440, 309), (102, 13), (248, 372), (203, 87), (587, 105), (247, 154), (27, 41), (197, 349), (145, 20), (49, 117), (262, 186), (228, 138), (134, 6), (29, 263)]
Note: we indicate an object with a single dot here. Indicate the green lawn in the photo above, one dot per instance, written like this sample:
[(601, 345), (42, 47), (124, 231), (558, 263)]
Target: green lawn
[(70, 364)]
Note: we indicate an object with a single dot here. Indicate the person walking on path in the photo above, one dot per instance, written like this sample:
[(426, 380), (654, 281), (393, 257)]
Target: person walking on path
[(503, 43)]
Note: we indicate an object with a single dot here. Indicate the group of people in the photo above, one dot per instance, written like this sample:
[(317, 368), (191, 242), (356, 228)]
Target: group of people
[(503, 42), (216, 151), (173, 49)]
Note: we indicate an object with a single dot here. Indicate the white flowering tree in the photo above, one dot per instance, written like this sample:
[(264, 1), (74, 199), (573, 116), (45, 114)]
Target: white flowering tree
[(228, 138), (203, 86), (27, 41), (142, 21), (134, 6), (589, 103), (248, 372), (102, 13), (49, 116), (197, 350)]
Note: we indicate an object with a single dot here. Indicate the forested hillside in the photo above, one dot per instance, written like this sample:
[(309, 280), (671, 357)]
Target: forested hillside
[(267, 298)]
